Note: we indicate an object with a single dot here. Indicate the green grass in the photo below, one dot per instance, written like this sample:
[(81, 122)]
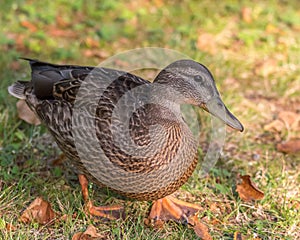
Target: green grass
[(256, 66)]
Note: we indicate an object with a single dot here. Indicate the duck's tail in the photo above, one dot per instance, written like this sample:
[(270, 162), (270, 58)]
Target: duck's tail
[(18, 89)]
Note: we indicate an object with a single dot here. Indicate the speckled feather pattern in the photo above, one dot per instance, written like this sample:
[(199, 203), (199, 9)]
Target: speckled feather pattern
[(56, 112)]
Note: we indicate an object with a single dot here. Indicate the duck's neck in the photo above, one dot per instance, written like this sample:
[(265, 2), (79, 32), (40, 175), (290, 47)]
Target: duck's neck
[(166, 97), (168, 86)]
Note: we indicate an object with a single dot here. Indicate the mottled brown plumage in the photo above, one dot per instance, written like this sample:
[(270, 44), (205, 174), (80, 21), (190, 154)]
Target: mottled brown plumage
[(147, 157)]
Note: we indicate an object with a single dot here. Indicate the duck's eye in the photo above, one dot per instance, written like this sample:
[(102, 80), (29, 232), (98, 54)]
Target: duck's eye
[(198, 78)]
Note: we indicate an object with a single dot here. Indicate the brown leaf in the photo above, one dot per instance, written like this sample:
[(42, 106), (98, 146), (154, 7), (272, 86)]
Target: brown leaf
[(61, 22), (30, 26), (38, 211), (206, 42), (96, 53), (247, 190), (53, 31), (290, 119), (89, 234), (159, 224), (20, 42), (247, 14), (266, 67), (275, 126), (25, 113), (10, 227), (200, 229), (147, 222), (91, 43), (291, 146)]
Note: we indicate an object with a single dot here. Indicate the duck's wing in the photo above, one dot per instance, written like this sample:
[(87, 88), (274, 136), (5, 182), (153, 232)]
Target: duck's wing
[(53, 88), (63, 81)]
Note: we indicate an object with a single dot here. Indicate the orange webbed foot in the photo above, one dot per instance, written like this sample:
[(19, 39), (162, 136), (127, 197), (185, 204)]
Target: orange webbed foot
[(108, 212), (170, 208)]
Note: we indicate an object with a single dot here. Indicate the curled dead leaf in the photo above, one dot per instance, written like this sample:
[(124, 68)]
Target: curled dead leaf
[(200, 229), (247, 190), (291, 146), (25, 113), (89, 234), (147, 222), (39, 211)]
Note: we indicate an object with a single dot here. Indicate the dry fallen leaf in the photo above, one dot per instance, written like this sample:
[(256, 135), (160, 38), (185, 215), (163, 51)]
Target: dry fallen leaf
[(291, 146), (159, 224), (290, 119), (10, 227), (30, 26), (38, 211), (266, 67), (96, 53), (61, 22), (25, 113), (89, 234), (20, 42), (200, 229), (247, 190), (53, 31), (247, 14), (206, 42), (275, 126), (91, 42)]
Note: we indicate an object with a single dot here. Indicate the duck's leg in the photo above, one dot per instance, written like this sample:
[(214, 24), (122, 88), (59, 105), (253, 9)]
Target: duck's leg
[(170, 208), (108, 212)]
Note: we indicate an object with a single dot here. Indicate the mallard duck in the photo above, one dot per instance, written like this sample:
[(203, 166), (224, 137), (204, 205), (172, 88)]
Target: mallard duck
[(123, 132)]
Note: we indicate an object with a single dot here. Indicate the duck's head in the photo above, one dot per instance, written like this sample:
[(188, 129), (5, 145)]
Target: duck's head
[(195, 85)]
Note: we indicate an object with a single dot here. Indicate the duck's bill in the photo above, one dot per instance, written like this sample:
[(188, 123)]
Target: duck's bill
[(217, 108)]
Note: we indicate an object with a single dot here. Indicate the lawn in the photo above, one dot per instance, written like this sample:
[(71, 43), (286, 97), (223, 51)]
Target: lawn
[(251, 47)]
